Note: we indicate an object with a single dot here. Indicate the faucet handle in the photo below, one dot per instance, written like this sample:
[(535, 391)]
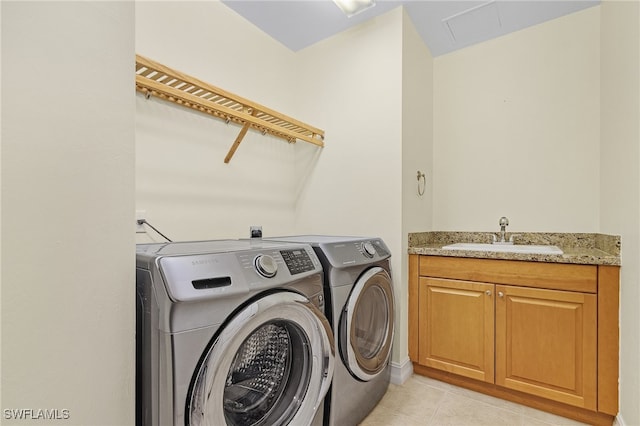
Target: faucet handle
[(512, 237), (494, 238)]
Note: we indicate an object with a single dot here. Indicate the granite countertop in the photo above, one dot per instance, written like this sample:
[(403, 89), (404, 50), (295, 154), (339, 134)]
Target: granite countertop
[(585, 249)]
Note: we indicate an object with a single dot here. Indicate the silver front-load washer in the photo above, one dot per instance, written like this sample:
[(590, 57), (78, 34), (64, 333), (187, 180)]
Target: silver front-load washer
[(359, 290), (230, 333)]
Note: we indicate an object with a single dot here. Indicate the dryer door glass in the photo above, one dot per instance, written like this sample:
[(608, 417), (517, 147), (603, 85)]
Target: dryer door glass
[(367, 325), (271, 364), (370, 322)]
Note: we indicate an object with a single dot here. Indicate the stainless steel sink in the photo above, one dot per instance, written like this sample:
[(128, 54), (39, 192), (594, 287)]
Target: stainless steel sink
[(505, 248)]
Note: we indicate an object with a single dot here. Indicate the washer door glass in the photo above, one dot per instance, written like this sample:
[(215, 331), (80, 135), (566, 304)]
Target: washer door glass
[(271, 364), (367, 325), (265, 372)]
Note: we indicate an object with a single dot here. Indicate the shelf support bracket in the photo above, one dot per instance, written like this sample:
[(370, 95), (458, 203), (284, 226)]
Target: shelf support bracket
[(241, 135)]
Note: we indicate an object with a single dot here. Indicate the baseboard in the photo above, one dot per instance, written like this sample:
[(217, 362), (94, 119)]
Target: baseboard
[(401, 371), (583, 415)]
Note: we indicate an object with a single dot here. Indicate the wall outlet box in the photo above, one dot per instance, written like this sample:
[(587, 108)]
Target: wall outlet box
[(255, 231), (140, 214)]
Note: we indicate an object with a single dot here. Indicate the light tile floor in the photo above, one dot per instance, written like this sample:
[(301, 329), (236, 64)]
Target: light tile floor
[(422, 401)]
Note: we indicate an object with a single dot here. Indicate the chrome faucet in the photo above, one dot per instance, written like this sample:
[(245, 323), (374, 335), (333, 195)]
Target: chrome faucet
[(504, 222)]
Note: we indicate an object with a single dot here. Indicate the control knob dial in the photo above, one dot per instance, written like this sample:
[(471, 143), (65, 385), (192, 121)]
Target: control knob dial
[(368, 249), (265, 265)]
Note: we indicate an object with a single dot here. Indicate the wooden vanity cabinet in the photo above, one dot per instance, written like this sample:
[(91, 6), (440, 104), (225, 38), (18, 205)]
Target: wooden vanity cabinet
[(456, 322), (546, 344), (541, 334)]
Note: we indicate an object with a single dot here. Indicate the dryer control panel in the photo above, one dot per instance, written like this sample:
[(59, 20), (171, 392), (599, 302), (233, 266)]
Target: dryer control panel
[(352, 253)]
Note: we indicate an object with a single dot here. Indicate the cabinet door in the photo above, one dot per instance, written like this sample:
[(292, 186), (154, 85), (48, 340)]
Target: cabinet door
[(546, 344), (456, 323)]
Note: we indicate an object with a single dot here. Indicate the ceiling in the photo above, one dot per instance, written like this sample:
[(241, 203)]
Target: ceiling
[(444, 25)]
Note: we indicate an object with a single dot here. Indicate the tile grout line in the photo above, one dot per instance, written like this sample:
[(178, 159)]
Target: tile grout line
[(435, 412)]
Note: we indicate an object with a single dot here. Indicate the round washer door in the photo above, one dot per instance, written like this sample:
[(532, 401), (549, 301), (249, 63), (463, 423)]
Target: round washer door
[(271, 364), (367, 325)]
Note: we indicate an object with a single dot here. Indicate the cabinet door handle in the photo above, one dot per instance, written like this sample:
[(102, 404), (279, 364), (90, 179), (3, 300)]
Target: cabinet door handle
[(500, 294), (488, 292)]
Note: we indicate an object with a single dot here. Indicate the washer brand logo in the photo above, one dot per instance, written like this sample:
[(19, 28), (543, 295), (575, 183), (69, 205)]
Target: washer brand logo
[(203, 262), (36, 414)]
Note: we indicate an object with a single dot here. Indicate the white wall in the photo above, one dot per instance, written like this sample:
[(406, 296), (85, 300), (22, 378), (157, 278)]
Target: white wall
[(182, 182), (68, 313), (352, 85), (516, 130), (417, 149), (620, 183)]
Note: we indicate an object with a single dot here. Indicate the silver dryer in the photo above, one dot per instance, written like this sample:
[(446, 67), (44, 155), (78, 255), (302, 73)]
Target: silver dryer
[(359, 291)]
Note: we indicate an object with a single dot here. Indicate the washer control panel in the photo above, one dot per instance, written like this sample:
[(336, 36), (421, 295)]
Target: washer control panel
[(297, 260), (228, 268)]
